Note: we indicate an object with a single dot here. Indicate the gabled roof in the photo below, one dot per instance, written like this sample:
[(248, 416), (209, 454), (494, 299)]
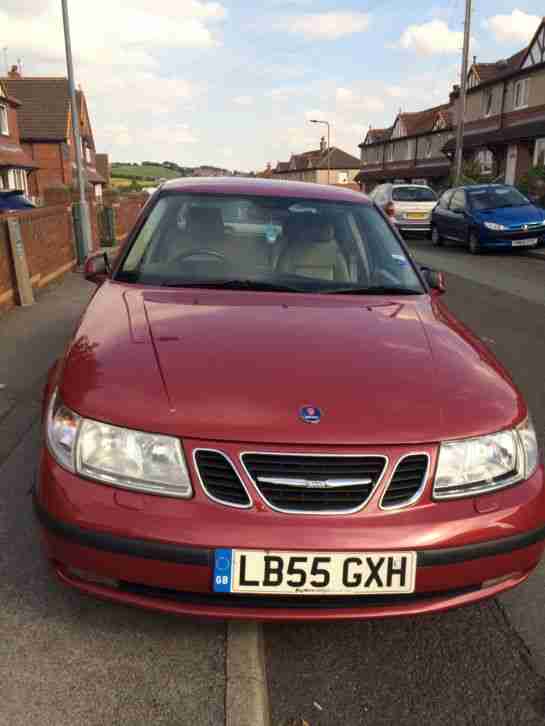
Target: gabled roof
[(421, 122), (375, 135), (44, 114), (486, 72), (318, 159), (281, 166)]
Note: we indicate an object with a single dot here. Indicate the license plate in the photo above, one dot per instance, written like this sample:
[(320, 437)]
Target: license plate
[(524, 242), (313, 573), (416, 215)]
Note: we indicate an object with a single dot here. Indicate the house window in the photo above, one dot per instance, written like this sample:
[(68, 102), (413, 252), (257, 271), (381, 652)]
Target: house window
[(4, 125), (539, 153), (521, 93), (390, 152), (428, 148), (488, 98), (486, 161), (410, 149)]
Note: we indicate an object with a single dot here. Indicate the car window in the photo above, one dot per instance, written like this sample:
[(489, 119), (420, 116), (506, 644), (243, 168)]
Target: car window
[(458, 201), (311, 246), (445, 199), (413, 194), (496, 198)]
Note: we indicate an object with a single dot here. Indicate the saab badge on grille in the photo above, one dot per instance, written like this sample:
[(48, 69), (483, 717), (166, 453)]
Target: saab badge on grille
[(310, 414)]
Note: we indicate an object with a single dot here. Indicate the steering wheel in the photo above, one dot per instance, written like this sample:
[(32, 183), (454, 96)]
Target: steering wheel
[(216, 256)]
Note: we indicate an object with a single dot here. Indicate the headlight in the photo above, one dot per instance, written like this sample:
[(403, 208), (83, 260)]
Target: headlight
[(122, 457), (485, 464), (495, 227)]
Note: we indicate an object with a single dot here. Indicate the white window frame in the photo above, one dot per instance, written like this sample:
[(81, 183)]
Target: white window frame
[(389, 153), (488, 102), (428, 148), (523, 84), (539, 149), (485, 159), (4, 120), (342, 177), (411, 147)]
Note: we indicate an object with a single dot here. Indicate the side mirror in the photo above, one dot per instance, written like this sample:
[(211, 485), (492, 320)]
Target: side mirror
[(435, 280), (97, 267)]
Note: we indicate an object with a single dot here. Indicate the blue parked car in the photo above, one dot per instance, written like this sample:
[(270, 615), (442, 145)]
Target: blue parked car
[(14, 201), (487, 216)]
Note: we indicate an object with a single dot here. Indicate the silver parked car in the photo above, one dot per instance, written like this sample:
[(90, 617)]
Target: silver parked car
[(408, 205)]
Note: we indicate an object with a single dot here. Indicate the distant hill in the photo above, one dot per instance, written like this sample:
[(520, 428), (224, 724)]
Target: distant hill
[(149, 171)]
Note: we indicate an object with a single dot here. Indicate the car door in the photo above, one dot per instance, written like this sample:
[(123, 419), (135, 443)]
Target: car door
[(458, 219), (440, 213)]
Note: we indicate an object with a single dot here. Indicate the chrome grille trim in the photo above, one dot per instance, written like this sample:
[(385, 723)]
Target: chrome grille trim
[(416, 496), (203, 485), (326, 513)]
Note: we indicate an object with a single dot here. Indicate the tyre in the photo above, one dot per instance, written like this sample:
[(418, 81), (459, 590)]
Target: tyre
[(474, 244), (436, 238)]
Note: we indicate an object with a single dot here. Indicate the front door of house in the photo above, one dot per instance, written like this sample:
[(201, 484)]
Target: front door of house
[(511, 165)]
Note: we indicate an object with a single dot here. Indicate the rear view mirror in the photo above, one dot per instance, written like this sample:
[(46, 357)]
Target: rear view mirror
[(435, 280), (97, 267)]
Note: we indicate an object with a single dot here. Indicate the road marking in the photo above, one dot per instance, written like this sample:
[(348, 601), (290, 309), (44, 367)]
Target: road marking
[(246, 692)]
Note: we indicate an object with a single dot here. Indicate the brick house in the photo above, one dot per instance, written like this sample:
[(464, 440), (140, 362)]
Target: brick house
[(505, 112), (45, 128), (15, 164), (312, 166), (411, 150)]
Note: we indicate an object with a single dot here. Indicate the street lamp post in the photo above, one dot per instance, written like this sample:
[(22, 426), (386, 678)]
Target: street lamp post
[(85, 243), (326, 123)]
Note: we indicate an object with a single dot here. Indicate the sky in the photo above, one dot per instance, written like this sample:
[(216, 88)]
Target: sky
[(234, 82)]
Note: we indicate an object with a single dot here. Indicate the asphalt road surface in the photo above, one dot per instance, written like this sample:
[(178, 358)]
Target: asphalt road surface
[(482, 665)]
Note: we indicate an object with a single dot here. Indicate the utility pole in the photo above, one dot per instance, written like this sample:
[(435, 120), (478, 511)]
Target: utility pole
[(326, 123), (462, 100), (84, 232)]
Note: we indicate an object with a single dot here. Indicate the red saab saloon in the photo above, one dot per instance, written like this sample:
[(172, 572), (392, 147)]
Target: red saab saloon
[(267, 412)]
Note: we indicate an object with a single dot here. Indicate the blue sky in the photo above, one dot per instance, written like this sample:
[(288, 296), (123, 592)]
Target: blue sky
[(233, 83)]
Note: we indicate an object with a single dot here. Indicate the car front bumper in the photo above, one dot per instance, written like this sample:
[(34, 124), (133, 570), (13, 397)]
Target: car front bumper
[(515, 241), (157, 553), (416, 226)]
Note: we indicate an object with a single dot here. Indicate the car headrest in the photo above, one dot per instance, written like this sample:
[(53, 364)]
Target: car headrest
[(205, 220), (310, 228)]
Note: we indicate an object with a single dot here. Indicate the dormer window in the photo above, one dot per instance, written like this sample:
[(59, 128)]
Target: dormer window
[(4, 123)]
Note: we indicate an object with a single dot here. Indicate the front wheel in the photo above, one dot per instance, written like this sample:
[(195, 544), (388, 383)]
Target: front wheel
[(474, 244), (436, 238)]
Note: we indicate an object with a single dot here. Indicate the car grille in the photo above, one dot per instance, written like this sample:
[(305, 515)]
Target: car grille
[(314, 484), (219, 479), (407, 481)]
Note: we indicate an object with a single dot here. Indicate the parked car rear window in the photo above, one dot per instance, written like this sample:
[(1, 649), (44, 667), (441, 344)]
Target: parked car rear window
[(310, 246), (413, 194), (496, 198)]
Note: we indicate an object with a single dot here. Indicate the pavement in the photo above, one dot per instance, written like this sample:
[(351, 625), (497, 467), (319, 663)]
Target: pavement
[(66, 659)]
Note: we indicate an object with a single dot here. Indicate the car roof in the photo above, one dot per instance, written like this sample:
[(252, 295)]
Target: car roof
[(418, 186), (470, 187), (264, 188)]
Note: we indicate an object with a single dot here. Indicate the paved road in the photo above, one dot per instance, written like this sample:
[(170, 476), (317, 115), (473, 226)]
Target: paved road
[(482, 665), (66, 659)]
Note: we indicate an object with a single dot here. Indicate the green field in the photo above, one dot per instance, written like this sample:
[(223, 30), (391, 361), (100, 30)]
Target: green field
[(143, 170)]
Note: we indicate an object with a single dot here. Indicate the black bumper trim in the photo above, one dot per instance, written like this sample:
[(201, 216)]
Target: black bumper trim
[(106, 542), (203, 557)]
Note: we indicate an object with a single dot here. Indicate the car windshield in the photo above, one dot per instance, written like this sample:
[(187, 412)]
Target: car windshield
[(496, 198), (413, 194), (268, 243)]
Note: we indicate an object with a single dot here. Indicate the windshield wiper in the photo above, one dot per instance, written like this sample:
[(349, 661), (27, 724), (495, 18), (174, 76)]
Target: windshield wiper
[(234, 284), (374, 290)]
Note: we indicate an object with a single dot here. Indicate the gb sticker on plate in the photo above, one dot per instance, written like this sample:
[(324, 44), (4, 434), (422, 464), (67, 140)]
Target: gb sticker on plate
[(223, 568)]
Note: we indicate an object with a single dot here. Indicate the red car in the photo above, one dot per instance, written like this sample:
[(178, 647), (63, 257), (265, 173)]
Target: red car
[(267, 412)]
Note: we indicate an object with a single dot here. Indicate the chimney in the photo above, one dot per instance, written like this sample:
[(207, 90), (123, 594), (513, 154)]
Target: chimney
[(474, 60), (323, 145), (14, 72)]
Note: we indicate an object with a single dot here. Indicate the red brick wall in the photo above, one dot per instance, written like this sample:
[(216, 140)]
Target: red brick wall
[(127, 212), (49, 246), (53, 170)]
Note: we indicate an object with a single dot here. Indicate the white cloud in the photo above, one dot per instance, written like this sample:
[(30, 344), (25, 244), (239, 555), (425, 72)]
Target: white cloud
[(243, 100), (518, 26), (397, 91), (434, 37), (353, 101), (329, 26)]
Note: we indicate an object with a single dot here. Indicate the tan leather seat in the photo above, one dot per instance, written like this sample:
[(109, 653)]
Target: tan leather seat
[(312, 250), (205, 228)]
